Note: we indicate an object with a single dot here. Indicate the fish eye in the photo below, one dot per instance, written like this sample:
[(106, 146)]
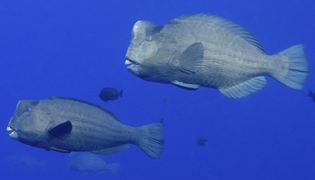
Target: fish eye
[(174, 62)]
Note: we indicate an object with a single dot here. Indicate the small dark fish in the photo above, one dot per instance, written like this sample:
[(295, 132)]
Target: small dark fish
[(312, 95), (66, 124), (201, 141), (164, 98), (162, 121), (110, 94)]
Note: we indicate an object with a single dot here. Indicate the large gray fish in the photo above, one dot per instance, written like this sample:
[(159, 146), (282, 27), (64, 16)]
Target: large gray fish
[(207, 50), (67, 124)]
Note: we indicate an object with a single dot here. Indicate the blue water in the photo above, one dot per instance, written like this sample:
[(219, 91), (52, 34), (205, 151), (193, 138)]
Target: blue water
[(75, 48)]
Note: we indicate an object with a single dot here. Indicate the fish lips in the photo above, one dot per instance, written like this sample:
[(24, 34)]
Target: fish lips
[(132, 66), (13, 135)]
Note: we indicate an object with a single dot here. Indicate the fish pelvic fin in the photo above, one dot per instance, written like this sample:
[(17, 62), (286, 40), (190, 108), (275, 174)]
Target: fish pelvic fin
[(245, 88), (186, 85), (112, 150), (151, 139), (298, 68)]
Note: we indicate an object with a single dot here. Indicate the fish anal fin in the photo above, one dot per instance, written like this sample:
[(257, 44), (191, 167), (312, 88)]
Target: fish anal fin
[(61, 129), (112, 150), (245, 88), (191, 59), (186, 85)]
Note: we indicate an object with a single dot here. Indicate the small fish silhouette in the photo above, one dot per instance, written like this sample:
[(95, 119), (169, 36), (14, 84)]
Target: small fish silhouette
[(110, 94), (164, 98), (312, 95), (201, 141)]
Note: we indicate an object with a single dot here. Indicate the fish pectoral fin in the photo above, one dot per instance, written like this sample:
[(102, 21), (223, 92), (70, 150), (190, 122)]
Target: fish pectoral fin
[(245, 88), (61, 129), (186, 85), (112, 150), (191, 59)]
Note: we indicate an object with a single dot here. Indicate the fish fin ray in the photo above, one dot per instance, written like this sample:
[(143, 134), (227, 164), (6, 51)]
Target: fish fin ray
[(298, 68), (112, 150), (61, 129), (191, 59), (186, 85), (224, 23), (245, 88), (152, 142)]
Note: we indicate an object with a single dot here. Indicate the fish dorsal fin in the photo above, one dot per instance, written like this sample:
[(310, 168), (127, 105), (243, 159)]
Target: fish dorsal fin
[(191, 59), (245, 88), (224, 23), (85, 102), (61, 129)]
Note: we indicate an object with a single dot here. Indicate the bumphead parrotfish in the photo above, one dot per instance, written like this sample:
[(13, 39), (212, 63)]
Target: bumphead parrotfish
[(66, 124), (208, 50)]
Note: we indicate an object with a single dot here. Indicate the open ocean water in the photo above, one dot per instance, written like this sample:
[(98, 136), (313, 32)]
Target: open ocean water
[(75, 48)]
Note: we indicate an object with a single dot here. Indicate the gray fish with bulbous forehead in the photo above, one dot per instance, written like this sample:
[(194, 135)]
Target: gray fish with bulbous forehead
[(66, 124), (207, 50)]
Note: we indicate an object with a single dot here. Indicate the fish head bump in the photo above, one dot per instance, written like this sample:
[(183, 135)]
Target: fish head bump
[(142, 51), (29, 124)]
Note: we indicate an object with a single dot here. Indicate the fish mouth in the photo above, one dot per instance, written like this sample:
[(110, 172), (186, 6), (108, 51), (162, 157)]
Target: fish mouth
[(130, 62), (132, 66), (13, 133)]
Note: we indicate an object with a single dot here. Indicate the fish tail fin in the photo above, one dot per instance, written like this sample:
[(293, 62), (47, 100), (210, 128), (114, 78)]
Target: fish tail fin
[(120, 93), (296, 74), (151, 140), (114, 168)]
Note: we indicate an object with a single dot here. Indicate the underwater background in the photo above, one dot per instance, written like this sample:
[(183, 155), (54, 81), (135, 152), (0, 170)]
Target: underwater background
[(75, 48)]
